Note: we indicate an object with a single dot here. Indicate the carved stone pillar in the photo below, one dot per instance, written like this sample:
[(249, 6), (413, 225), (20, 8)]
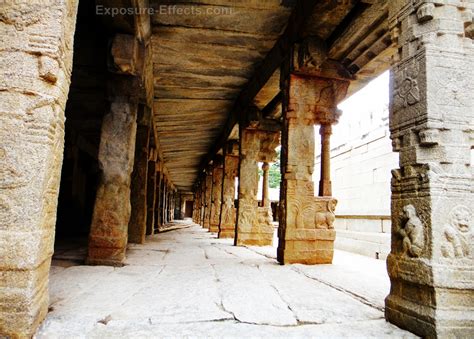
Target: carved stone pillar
[(151, 193), (325, 189), (306, 233), (207, 199), (254, 223), (217, 177), (36, 52), (431, 124), (109, 227), (164, 207), (203, 201), (228, 210), (265, 194), (138, 219), (159, 196), (197, 204)]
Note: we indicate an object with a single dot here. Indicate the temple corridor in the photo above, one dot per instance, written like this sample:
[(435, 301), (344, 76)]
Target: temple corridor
[(122, 121), (189, 283)]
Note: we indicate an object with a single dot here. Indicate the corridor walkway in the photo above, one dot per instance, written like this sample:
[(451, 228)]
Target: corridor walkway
[(185, 282)]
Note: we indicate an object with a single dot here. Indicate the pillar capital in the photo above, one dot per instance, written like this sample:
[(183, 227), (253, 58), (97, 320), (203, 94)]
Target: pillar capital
[(314, 99)]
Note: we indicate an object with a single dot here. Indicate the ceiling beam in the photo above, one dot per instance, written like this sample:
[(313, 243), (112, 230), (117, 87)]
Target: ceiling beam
[(293, 32)]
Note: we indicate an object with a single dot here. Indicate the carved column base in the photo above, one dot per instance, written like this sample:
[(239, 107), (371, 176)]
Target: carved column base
[(227, 224), (307, 236), (108, 237), (307, 247), (261, 234), (255, 239), (226, 233), (214, 228), (424, 301)]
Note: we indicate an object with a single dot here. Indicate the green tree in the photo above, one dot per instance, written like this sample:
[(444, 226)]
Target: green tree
[(274, 174)]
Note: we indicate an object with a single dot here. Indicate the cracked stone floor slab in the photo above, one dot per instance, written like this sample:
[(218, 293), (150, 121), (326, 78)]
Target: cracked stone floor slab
[(185, 282)]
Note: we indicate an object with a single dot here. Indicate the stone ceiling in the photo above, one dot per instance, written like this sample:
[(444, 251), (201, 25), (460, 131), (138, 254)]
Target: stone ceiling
[(205, 52)]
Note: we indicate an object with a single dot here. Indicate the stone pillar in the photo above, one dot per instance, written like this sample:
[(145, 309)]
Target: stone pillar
[(138, 198), (195, 204), (109, 227), (254, 223), (151, 193), (306, 233), (228, 210), (265, 182), (207, 199), (159, 195), (431, 124), (164, 207), (203, 201), (217, 177), (35, 69), (325, 189)]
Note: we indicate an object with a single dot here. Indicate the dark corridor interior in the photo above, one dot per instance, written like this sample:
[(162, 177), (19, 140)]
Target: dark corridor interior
[(85, 108)]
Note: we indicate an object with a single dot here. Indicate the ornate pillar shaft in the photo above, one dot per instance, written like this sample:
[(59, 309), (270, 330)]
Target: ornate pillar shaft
[(325, 189), (138, 219), (254, 223), (431, 124), (35, 80), (228, 210), (207, 199), (306, 233), (265, 194)]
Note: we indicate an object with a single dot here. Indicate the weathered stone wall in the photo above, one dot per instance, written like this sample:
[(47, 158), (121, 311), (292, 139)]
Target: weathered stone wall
[(431, 125), (36, 42)]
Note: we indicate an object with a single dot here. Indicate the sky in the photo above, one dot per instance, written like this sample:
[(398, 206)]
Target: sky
[(363, 111)]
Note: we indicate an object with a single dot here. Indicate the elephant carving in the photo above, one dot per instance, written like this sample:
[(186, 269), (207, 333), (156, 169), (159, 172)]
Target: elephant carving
[(324, 216)]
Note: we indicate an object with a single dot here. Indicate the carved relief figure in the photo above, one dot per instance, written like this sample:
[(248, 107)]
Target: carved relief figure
[(457, 233), (412, 233), (324, 218), (406, 91)]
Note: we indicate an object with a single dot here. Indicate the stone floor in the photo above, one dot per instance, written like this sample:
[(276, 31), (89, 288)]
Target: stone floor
[(185, 282)]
